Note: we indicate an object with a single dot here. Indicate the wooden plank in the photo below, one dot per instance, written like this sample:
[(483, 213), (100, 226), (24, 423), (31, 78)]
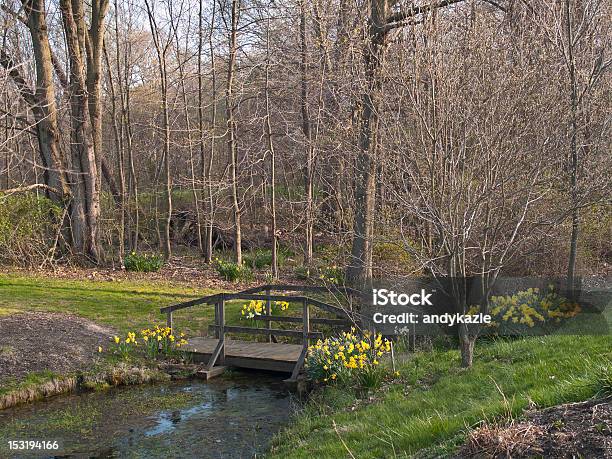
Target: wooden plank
[(246, 349), (245, 296), (298, 365), (215, 355), (311, 288), (330, 308), (306, 324), (274, 331), (269, 313), (169, 321), (313, 320), (281, 366), (209, 374), (187, 304), (261, 288)]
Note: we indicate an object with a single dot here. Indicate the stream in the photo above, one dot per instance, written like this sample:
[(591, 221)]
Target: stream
[(232, 416)]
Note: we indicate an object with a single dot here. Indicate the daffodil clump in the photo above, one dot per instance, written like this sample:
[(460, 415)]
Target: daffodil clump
[(231, 271), (529, 308), (331, 275), (257, 308), (144, 263), (155, 341), (347, 357)]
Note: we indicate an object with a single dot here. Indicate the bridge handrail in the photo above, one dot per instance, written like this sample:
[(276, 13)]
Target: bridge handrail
[(250, 294)]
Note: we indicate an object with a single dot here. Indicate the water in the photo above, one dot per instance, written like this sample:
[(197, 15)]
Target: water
[(231, 417)]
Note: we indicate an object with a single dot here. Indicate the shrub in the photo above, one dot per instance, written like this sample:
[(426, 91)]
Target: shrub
[(143, 263), (331, 275), (393, 255), (232, 272), (348, 359), (28, 226), (261, 258)]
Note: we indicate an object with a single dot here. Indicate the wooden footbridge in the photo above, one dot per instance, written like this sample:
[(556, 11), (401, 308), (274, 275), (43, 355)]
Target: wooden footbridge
[(219, 351)]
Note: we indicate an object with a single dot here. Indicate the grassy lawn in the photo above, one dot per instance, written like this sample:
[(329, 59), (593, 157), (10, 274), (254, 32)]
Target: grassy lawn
[(123, 304), (437, 401)]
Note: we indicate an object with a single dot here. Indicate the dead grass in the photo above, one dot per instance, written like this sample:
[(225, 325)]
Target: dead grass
[(571, 430)]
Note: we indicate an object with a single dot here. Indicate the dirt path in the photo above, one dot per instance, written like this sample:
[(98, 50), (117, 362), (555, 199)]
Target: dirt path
[(61, 343)]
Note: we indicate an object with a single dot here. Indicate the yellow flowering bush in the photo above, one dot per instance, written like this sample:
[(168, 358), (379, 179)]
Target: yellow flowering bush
[(349, 358), (155, 340), (529, 308)]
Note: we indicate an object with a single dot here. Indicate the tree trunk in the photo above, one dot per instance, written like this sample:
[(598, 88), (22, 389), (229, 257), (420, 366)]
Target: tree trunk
[(162, 50), (359, 271), (308, 185), (466, 343), (207, 173), (118, 135), (85, 210), (573, 149), (94, 44), (231, 129), (268, 128)]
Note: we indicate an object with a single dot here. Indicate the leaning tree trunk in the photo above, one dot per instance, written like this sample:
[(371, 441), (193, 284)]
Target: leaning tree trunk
[(42, 101)]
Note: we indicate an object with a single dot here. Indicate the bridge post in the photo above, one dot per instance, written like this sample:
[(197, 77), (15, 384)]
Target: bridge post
[(219, 351), (306, 323), (169, 321), (222, 330), (269, 313), (217, 319)]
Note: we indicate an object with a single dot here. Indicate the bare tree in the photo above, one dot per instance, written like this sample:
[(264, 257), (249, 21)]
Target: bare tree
[(161, 47)]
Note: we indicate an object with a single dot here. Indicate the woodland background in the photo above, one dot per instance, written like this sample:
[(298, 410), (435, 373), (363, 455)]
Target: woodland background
[(368, 136)]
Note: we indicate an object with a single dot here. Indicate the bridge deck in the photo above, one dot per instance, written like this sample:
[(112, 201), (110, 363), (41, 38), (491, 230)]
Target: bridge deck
[(248, 354)]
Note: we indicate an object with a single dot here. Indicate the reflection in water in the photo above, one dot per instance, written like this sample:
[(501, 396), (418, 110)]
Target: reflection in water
[(222, 418)]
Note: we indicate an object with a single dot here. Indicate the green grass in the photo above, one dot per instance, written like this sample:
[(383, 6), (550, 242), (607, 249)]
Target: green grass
[(123, 304), (31, 380), (437, 401)]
